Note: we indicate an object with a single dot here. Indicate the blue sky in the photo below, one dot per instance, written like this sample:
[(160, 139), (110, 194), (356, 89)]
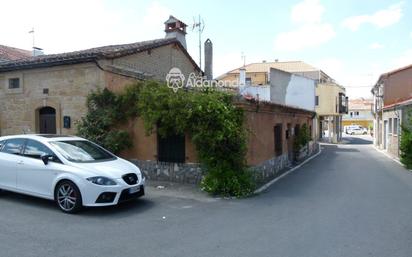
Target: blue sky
[(353, 41)]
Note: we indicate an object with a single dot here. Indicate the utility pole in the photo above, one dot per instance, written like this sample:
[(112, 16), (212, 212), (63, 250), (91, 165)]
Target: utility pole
[(33, 46)]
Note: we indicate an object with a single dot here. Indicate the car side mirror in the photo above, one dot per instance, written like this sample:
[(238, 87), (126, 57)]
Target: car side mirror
[(46, 158)]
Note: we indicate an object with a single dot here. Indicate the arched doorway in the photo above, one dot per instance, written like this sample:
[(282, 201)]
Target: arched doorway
[(47, 120)]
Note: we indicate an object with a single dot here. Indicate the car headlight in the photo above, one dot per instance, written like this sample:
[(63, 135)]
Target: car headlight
[(102, 181)]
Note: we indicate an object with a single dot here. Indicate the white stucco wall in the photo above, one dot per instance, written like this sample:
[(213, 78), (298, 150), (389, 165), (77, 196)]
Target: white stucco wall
[(293, 90)]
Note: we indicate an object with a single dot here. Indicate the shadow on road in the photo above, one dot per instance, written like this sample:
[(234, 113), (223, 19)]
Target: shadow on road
[(129, 208), (358, 140)]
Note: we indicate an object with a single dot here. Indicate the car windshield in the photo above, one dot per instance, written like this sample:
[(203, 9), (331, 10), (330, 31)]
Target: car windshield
[(82, 151)]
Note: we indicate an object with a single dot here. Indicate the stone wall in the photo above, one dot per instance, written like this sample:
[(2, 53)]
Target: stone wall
[(68, 87), (276, 166), (189, 173)]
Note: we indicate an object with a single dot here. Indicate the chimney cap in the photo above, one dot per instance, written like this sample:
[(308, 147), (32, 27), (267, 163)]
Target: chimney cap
[(174, 24)]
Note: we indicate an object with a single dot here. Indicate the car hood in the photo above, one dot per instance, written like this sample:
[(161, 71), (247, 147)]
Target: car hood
[(112, 169)]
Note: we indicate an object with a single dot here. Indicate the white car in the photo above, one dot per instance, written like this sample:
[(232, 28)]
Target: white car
[(357, 131), (70, 170)]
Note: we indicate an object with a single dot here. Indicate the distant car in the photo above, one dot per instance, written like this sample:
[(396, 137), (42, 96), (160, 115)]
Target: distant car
[(72, 171), (357, 131)]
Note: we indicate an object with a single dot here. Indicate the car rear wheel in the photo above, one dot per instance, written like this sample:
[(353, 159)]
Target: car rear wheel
[(68, 197)]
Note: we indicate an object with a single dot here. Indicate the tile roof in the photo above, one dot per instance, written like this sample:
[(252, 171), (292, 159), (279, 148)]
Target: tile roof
[(8, 53), (291, 66), (360, 104), (89, 55)]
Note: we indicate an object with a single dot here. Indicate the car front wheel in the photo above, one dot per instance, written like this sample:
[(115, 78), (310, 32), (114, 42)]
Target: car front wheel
[(68, 197)]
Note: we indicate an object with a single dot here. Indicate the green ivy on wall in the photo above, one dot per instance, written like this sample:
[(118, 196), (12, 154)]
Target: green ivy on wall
[(210, 118)]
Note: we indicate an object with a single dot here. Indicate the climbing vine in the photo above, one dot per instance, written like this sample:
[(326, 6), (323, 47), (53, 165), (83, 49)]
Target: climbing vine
[(210, 118)]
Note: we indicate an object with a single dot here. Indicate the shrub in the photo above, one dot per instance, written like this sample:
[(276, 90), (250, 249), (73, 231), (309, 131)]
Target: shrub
[(302, 138), (211, 118), (104, 113), (406, 144), (215, 125)]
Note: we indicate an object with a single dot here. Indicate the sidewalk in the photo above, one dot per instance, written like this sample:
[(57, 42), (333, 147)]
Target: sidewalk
[(177, 190)]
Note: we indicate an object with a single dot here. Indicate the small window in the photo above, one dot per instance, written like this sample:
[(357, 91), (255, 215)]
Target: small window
[(13, 146), (288, 131), (390, 125), (171, 148), (317, 100), (351, 114), (1, 144), (395, 126), (357, 113), (278, 139), (297, 130), (248, 81), (14, 83), (36, 149)]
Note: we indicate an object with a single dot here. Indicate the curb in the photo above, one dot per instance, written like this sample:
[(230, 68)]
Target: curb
[(265, 186), (390, 157)]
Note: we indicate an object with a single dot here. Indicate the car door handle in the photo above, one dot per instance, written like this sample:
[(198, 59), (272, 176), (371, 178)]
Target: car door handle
[(20, 162)]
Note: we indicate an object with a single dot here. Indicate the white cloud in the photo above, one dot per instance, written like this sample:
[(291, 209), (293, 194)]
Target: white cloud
[(308, 11), (375, 45), (153, 21), (381, 19), (311, 31), (309, 35), (225, 62), (71, 25), (358, 83), (400, 61)]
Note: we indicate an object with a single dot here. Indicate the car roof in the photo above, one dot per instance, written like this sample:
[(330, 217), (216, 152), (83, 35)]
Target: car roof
[(43, 137)]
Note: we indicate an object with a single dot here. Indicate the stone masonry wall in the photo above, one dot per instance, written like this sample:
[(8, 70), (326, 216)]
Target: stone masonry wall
[(191, 173)]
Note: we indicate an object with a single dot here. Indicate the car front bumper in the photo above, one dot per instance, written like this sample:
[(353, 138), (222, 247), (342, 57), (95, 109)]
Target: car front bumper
[(95, 195)]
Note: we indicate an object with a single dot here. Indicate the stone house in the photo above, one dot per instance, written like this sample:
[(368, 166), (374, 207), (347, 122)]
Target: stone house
[(47, 94), (392, 96)]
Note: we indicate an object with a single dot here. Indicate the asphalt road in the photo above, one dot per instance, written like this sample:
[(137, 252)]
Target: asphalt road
[(349, 201)]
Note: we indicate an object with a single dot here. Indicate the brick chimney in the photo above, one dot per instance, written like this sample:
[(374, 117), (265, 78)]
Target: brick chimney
[(175, 28)]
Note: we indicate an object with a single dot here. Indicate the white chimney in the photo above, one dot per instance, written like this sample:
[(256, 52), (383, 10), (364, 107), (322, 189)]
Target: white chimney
[(242, 79), (175, 28)]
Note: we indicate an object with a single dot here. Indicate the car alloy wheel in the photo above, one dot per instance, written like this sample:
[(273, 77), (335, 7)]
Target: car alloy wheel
[(68, 197)]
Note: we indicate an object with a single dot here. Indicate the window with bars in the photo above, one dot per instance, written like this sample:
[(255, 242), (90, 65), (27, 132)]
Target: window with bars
[(278, 139), (171, 148), (395, 126), (14, 83)]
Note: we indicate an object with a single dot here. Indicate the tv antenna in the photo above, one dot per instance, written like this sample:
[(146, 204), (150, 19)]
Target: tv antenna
[(200, 26), (32, 33)]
